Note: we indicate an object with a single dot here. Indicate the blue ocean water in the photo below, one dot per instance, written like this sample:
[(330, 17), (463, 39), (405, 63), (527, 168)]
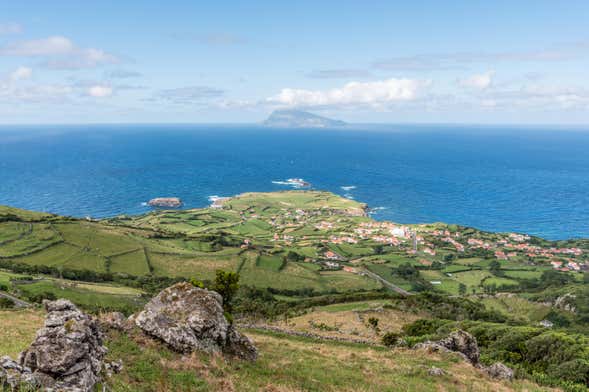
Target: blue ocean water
[(493, 178)]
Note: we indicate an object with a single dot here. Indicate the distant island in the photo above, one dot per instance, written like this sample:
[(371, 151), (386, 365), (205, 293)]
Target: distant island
[(287, 118)]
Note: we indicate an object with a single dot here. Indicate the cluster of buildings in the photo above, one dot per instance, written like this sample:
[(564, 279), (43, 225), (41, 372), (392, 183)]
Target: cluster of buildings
[(568, 266), (418, 240)]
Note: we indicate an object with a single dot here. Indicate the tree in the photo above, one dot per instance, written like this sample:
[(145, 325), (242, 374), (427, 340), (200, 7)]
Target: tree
[(461, 289), (226, 284), (494, 265), (378, 249), (407, 271), (294, 256), (555, 278)]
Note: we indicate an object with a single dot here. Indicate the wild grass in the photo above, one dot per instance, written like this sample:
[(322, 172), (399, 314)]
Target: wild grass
[(289, 363), (17, 329)]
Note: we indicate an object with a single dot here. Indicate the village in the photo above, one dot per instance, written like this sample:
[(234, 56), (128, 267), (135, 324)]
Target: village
[(429, 242)]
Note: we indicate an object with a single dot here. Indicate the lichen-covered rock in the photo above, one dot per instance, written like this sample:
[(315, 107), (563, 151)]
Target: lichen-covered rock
[(460, 342), (435, 371), (13, 375), (190, 319), (500, 372), (67, 352), (240, 345)]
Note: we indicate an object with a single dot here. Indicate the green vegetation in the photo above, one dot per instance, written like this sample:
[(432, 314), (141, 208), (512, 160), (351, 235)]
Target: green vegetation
[(289, 363), (317, 263)]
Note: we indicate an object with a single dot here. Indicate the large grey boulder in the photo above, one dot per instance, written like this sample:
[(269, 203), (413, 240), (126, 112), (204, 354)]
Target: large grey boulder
[(190, 319), (499, 371), (460, 342), (66, 355), (13, 375)]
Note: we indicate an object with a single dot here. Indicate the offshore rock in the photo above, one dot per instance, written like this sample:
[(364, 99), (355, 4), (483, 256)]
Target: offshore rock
[(173, 202), (189, 319)]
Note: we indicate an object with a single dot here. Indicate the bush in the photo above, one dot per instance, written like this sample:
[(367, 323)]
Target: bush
[(576, 370), (391, 339), (554, 356), (6, 303), (38, 298), (226, 283), (373, 322), (423, 327)]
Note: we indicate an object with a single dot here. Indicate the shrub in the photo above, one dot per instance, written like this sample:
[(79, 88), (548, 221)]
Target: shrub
[(6, 303), (423, 327), (38, 298), (373, 321), (226, 283), (391, 339)]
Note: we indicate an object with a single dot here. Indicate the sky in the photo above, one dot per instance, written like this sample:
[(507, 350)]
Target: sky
[(484, 62)]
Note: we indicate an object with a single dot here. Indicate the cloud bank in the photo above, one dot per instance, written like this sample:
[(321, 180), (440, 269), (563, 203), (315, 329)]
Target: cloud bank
[(59, 53), (479, 82), (353, 94)]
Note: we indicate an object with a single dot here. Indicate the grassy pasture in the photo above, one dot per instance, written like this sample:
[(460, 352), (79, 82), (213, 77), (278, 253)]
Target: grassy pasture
[(55, 255), (87, 296), (272, 263), (472, 279), (133, 263), (529, 274), (500, 282), (289, 363), (518, 307), (17, 329)]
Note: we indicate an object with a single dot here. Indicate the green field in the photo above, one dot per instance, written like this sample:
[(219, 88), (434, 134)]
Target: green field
[(251, 234), (89, 296)]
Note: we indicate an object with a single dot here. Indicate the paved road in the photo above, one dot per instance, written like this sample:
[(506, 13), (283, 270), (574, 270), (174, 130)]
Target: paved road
[(386, 283), (18, 302)]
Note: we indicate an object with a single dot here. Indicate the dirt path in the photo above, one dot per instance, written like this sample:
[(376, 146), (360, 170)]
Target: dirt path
[(387, 283)]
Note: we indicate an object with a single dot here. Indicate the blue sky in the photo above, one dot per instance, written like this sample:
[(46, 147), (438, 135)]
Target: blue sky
[(378, 61)]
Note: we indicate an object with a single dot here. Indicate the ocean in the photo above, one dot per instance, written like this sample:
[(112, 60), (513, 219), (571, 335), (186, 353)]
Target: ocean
[(523, 179)]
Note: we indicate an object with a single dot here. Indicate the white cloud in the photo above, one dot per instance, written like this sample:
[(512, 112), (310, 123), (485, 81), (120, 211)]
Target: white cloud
[(353, 93), (54, 93), (460, 60), (10, 28), (191, 95), (55, 45), (61, 53), (480, 81), (99, 91), (21, 73), (338, 74)]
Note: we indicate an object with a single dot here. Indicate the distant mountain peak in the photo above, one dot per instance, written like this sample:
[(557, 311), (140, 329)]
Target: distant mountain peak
[(292, 118)]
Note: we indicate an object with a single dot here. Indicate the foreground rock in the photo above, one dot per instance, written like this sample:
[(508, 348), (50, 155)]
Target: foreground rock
[(460, 342), (466, 345), (190, 319), (499, 371), (67, 354), (115, 320)]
